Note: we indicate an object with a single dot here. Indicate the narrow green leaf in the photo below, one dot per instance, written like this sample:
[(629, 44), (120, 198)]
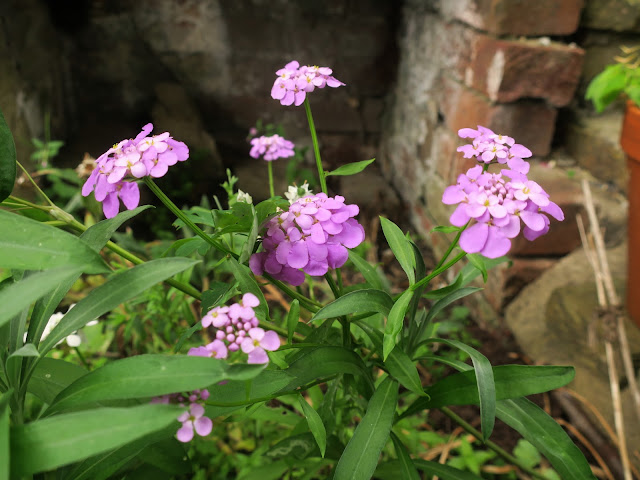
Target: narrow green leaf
[(248, 283), (369, 273), (7, 160), (218, 294), (404, 370), (351, 168), (395, 321), (446, 229), (29, 245), (445, 472), (409, 471), (51, 376), (118, 289), (189, 246), (485, 382), (315, 425), (544, 433), (97, 236), (448, 300), (293, 317), (511, 381), (139, 377), (4, 435), (63, 439), (360, 457), (401, 248), (477, 261), (186, 335), (444, 291), (358, 301), (18, 296), (469, 272), (605, 87)]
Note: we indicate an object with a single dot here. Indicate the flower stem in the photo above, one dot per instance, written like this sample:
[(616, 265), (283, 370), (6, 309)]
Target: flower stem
[(438, 271), (270, 169), (35, 184), (496, 448), (316, 148), (187, 221)]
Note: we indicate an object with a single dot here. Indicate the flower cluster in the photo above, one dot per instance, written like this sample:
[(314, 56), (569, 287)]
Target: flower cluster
[(271, 148), (311, 237), (237, 329), (294, 82), (496, 202), (132, 159), (193, 419)]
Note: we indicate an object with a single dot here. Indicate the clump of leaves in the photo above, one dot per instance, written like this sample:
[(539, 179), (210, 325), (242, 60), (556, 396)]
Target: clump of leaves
[(620, 78)]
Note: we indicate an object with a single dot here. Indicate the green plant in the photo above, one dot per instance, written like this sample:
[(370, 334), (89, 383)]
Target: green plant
[(621, 78)]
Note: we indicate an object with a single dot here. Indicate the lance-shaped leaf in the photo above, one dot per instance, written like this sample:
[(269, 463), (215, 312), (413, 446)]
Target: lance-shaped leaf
[(408, 469), (358, 301), (63, 439), (369, 273), (29, 245), (351, 168), (395, 322), (360, 457), (51, 376), (118, 289), (315, 425), (401, 248)]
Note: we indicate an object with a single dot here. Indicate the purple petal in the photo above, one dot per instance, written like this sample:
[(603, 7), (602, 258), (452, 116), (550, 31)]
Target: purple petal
[(203, 426), (130, 195), (337, 256), (533, 220), (474, 238), (452, 195), (111, 205), (185, 434), (299, 255), (256, 263), (459, 217), (316, 268), (270, 341), (497, 244), (554, 210), (258, 355)]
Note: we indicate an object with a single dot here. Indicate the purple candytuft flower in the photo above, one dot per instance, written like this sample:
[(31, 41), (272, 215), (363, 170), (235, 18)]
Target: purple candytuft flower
[(237, 328), (271, 148), (193, 419), (295, 81), (495, 203), (311, 237), (113, 178)]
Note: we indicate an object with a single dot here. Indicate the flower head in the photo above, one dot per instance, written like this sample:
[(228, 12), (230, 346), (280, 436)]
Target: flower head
[(257, 342), (271, 148), (113, 178), (295, 81)]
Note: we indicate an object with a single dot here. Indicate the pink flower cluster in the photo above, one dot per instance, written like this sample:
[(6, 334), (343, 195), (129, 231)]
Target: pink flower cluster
[(496, 202), (237, 329), (193, 419), (311, 237), (271, 148), (132, 159), (294, 82)]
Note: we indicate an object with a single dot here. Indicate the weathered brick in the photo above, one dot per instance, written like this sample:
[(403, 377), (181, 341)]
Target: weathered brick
[(530, 122), (616, 15), (507, 70), (443, 153), (517, 17)]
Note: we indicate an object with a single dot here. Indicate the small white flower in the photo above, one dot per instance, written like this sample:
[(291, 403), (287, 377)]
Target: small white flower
[(294, 192), (73, 340), (244, 197)]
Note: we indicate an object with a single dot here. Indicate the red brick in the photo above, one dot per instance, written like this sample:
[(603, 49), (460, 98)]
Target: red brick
[(517, 17), (530, 122), (509, 70)]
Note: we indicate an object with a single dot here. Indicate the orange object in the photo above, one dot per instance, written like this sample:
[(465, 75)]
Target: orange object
[(630, 142)]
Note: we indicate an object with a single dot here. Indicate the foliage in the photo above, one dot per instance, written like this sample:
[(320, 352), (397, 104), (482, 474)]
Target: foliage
[(622, 78)]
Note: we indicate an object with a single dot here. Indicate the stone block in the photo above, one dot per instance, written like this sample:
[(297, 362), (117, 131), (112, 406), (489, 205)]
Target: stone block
[(517, 17), (530, 122), (507, 70), (444, 155), (616, 15)]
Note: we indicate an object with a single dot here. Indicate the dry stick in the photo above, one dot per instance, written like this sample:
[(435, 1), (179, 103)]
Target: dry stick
[(448, 446), (613, 373), (614, 301)]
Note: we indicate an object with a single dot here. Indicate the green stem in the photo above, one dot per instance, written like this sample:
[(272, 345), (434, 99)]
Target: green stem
[(316, 148), (264, 399), (496, 448), (35, 184), (332, 285), (438, 271), (451, 246), (187, 221), (270, 169), (307, 303)]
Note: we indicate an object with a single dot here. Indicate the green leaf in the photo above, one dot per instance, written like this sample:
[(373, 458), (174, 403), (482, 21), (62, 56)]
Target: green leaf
[(445, 472), (4, 435), (97, 236), (395, 321), (293, 317), (544, 433), (351, 168), (248, 284), (633, 92), (189, 245), (324, 362), (404, 370), (358, 301), (444, 291), (360, 457), (449, 299), (315, 424), (117, 290), (51, 376), (401, 248), (511, 381), (139, 377), (409, 471), (469, 272), (369, 273), (446, 229), (605, 87), (485, 383), (247, 248), (218, 294), (18, 296), (63, 439), (477, 261), (29, 245), (527, 453), (7, 160)]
